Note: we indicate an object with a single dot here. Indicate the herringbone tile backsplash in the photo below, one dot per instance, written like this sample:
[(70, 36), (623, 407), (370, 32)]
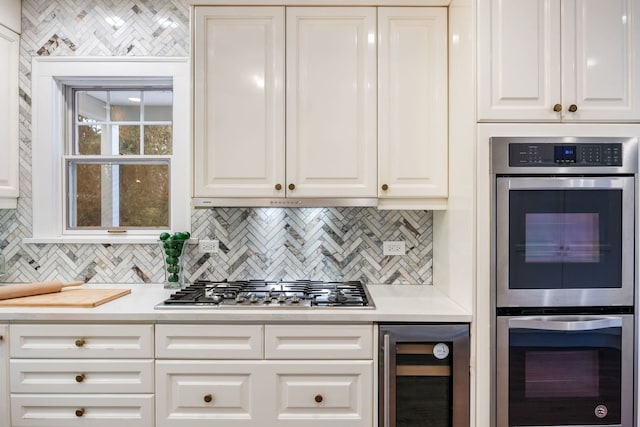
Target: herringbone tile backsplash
[(310, 243)]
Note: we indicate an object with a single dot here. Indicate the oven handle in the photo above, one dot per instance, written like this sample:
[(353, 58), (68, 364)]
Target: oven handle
[(565, 324), (386, 379)]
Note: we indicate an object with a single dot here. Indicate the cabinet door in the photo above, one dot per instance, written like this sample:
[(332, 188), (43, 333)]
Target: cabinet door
[(239, 101), (9, 42), (208, 394), (518, 60), (412, 103), (331, 102), (324, 394), (4, 375), (599, 68)]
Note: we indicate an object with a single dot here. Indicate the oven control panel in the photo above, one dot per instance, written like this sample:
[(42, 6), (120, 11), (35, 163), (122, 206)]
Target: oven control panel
[(545, 155)]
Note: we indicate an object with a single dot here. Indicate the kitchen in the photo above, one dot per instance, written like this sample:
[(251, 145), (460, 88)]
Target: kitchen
[(451, 252)]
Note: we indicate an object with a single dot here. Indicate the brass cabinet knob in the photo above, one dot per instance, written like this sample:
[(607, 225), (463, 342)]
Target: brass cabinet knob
[(292, 186), (557, 107), (79, 412), (384, 187), (80, 378), (80, 342), (318, 398), (1, 337), (573, 108), (208, 398), (278, 187)]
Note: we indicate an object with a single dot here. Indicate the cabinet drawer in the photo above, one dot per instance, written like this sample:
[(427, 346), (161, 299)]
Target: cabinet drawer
[(81, 341), (199, 393), (209, 341), (101, 410), (322, 394), (81, 376), (318, 341)]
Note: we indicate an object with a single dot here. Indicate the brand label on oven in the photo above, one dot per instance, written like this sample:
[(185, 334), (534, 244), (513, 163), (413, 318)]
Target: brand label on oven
[(601, 411)]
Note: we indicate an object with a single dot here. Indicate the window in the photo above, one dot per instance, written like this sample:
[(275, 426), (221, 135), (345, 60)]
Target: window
[(111, 148)]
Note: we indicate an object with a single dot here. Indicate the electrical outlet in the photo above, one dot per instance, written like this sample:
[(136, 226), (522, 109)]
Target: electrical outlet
[(393, 248), (208, 246)]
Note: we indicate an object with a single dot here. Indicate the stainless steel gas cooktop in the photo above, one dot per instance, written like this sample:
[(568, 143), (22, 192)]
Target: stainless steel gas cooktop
[(259, 294)]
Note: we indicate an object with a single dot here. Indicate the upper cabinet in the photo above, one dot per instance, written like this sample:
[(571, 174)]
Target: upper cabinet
[(11, 14), (9, 139), (330, 144), (412, 103), (550, 61), (239, 102), (289, 105), (331, 102)]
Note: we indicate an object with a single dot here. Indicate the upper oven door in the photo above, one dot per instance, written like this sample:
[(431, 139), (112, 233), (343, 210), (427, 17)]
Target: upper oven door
[(564, 241)]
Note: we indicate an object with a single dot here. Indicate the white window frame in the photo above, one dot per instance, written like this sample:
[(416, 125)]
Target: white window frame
[(50, 77)]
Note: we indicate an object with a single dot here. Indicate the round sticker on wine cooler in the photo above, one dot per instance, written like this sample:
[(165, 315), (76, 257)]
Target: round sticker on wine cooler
[(440, 350)]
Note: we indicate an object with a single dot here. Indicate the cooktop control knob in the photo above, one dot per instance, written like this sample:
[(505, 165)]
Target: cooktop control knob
[(295, 299), (253, 298), (239, 298), (282, 298), (267, 299)]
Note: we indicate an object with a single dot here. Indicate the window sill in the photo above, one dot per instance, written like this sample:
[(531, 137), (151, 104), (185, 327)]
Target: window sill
[(93, 240)]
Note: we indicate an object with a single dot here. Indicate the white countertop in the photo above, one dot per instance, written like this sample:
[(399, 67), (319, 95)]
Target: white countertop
[(393, 303)]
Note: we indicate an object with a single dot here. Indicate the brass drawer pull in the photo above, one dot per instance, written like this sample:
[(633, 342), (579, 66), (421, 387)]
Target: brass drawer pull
[(292, 187), (80, 378), (557, 107), (318, 398), (208, 398), (385, 187), (278, 187), (80, 342), (79, 412), (573, 108)]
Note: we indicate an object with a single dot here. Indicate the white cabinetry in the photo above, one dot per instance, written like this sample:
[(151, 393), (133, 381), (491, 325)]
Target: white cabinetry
[(567, 60), (412, 103), (240, 143), (311, 375), (4, 376), (9, 140), (70, 375), (10, 14), (331, 102)]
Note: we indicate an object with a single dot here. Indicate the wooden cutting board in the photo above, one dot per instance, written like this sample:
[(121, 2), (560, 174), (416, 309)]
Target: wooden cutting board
[(67, 298)]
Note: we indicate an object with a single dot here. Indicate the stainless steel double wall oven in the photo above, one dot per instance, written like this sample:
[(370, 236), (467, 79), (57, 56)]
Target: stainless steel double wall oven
[(564, 274)]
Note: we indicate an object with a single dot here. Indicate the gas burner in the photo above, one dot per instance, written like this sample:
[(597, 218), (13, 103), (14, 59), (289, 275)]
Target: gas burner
[(265, 294)]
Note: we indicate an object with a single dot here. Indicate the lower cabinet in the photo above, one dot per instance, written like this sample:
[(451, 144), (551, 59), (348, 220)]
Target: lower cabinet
[(81, 375), (4, 375), (318, 388)]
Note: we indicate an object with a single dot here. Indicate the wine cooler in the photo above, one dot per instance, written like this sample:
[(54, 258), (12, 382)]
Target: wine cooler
[(424, 375)]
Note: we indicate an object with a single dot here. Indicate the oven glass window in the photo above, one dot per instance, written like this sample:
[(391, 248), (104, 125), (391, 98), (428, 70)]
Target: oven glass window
[(564, 377), (565, 239)]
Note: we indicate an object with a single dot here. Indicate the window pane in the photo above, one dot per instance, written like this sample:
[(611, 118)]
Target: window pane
[(158, 139), (91, 106), (125, 106), (111, 195), (158, 106), (128, 139), (88, 195), (89, 139), (144, 195)]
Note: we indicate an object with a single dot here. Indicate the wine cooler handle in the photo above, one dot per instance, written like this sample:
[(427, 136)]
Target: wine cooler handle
[(565, 324), (386, 379)]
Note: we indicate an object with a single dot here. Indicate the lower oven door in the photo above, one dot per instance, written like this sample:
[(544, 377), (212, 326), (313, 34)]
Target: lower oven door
[(564, 371)]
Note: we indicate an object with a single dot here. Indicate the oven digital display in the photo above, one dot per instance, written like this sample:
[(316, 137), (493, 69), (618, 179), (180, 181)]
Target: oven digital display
[(562, 238), (565, 154)]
